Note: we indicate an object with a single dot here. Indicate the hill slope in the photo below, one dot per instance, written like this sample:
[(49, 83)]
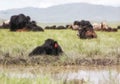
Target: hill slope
[(67, 13)]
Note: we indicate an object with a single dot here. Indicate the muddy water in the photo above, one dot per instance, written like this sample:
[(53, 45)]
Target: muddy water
[(95, 75)]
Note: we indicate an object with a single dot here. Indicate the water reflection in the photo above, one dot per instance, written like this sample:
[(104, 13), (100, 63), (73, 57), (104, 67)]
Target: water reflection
[(94, 77)]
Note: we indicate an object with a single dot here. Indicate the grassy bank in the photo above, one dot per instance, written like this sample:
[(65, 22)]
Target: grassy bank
[(15, 47)]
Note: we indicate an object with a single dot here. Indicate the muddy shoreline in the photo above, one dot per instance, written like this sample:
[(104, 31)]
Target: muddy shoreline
[(56, 61), (54, 69)]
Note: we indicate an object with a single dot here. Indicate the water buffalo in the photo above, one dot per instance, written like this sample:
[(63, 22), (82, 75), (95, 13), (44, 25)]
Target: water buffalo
[(32, 26), (86, 33), (85, 23), (69, 26), (21, 22), (50, 47), (50, 27), (80, 24), (18, 22), (109, 29), (118, 27), (103, 27), (5, 25), (61, 27), (76, 23), (55, 27)]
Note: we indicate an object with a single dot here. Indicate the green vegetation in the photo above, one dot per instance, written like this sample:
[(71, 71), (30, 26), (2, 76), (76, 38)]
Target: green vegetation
[(15, 47), (19, 44), (4, 79)]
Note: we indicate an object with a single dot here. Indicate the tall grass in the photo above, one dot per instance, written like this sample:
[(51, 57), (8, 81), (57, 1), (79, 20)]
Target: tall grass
[(16, 42), (107, 44)]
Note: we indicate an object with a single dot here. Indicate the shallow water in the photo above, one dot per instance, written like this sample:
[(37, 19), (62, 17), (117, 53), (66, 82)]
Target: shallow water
[(94, 75)]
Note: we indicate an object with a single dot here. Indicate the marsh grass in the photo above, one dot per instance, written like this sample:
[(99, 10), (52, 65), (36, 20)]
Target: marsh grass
[(5, 79), (16, 46), (20, 44)]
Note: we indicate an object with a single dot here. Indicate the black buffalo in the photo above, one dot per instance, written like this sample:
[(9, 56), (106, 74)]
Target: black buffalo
[(109, 29), (61, 27), (76, 23), (55, 27), (86, 33), (118, 27), (69, 26), (80, 24), (50, 27), (85, 23), (32, 26), (18, 21), (50, 47), (23, 23)]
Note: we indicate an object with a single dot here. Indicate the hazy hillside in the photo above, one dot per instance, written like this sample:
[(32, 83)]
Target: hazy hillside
[(68, 13)]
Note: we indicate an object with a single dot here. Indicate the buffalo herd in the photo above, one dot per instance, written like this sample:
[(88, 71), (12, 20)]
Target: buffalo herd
[(86, 30), (22, 22), (103, 27)]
